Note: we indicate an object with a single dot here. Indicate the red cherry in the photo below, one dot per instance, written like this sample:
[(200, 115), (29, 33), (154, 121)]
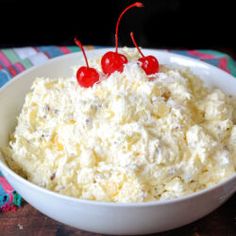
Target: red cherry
[(86, 76), (114, 61), (149, 63)]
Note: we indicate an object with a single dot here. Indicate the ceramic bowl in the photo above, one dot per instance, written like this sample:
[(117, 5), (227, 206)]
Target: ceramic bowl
[(105, 217)]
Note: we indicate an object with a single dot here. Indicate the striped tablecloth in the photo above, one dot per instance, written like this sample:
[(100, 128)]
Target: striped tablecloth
[(13, 61)]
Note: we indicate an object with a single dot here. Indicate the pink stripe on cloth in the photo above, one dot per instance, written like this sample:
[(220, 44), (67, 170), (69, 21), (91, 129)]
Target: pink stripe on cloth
[(201, 55), (65, 50), (4, 59), (8, 189), (223, 64)]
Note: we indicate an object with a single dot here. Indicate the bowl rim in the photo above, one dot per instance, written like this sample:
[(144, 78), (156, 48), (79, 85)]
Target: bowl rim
[(31, 185)]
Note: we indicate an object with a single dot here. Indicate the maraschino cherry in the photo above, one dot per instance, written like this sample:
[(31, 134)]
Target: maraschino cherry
[(86, 76), (114, 61), (149, 63)]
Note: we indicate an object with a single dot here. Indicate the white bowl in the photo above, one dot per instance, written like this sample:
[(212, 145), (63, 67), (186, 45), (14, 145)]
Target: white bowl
[(102, 217)]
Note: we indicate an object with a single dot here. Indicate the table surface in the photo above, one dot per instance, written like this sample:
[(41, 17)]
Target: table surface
[(29, 221)]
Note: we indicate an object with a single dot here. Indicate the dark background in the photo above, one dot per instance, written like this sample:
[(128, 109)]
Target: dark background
[(175, 24)]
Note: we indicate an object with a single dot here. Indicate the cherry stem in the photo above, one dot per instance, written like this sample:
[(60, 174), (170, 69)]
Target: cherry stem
[(80, 45), (136, 4), (135, 44)]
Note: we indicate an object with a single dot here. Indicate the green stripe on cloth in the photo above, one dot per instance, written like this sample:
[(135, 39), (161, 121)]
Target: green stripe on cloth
[(11, 55), (232, 67), (73, 49), (26, 63)]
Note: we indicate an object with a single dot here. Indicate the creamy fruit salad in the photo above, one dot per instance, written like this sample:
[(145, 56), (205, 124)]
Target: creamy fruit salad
[(131, 137)]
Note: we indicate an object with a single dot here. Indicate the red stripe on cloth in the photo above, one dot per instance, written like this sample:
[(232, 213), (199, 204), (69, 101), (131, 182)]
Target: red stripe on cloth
[(36, 49), (64, 50), (8, 208), (19, 67), (223, 64), (47, 54), (4, 59), (201, 55), (12, 70)]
